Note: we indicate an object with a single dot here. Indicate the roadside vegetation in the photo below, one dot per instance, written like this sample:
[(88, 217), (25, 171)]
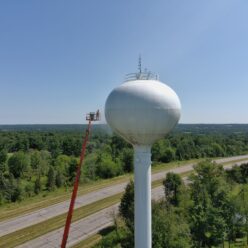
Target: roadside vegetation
[(210, 211), (31, 232), (39, 163)]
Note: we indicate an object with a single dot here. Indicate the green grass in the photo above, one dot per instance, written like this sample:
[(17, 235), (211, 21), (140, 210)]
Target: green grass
[(31, 232), (162, 166), (34, 231), (47, 199)]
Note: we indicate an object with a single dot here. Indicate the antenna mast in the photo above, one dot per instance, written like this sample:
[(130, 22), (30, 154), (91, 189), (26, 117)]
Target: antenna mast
[(141, 75), (139, 66)]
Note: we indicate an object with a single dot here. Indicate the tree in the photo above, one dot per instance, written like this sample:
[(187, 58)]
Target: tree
[(35, 159), (234, 174), (208, 175), (162, 151), (54, 146), (3, 156), (232, 219), (117, 144), (10, 188), (126, 210), (35, 141), (22, 143), (37, 186), (208, 224), (208, 213), (17, 194), (71, 146), (59, 180), (3, 159), (29, 189), (186, 149), (127, 159), (107, 168), (62, 164), (169, 228), (244, 172), (4, 188), (72, 169), (242, 206), (172, 184), (18, 163), (89, 167), (126, 207), (168, 155), (51, 179), (218, 151), (45, 162)]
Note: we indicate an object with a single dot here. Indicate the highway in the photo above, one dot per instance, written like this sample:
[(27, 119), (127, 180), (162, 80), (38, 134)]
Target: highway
[(90, 225), (20, 222)]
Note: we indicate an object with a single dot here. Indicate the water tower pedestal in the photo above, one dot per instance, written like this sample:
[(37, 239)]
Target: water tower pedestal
[(142, 196)]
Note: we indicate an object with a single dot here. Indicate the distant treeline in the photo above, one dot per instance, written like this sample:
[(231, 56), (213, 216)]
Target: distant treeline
[(190, 128), (54, 127), (34, 162)]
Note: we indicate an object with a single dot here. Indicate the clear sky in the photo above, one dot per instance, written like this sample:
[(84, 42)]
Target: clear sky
[(60, 59)]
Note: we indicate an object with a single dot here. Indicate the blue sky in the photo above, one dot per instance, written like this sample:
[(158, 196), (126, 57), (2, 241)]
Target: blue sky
[(60, 59)]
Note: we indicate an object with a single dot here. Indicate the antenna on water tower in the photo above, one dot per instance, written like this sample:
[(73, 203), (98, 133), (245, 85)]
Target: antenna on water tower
[(140, 68)]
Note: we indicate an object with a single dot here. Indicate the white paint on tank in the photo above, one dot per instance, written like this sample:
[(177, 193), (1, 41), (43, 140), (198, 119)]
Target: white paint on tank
[(142, 111)]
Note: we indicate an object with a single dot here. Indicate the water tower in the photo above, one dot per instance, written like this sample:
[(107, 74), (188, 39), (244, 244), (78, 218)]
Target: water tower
[(142, 110)]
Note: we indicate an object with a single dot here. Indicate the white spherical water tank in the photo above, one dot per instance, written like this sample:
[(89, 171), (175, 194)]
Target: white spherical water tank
[(141, 111)]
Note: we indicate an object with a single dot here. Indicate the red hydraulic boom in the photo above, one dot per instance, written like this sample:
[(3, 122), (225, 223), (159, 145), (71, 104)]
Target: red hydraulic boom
[(92, 116)]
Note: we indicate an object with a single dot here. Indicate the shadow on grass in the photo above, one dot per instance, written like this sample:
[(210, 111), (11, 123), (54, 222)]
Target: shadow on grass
[(106, 230)]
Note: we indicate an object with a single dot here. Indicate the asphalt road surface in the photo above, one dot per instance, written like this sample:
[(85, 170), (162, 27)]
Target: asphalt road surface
[(20, 222), (92, 224), (84, 228)]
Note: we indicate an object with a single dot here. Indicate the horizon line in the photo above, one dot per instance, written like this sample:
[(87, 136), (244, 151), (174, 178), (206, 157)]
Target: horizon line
[(186, 123)]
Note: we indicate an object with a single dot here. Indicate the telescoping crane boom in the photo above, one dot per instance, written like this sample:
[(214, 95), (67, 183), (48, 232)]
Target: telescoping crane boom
[(90, 117)]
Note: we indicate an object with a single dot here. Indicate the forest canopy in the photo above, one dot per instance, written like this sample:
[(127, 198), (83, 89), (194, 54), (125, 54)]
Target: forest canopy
[(36, 159)]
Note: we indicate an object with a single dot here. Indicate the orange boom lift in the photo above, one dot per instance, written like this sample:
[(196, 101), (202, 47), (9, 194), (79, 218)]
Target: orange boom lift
[(92, 116)]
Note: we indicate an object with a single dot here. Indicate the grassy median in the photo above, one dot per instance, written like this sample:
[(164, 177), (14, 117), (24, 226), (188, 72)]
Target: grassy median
[(34, 231), (28, 205)]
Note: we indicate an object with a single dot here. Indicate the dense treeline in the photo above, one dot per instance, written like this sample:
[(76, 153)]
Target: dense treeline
[(34, 162), (189, 128), (211, 211), (181, 146)]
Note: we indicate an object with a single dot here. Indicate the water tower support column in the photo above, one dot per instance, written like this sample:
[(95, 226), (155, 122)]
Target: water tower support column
[(142, 197)]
